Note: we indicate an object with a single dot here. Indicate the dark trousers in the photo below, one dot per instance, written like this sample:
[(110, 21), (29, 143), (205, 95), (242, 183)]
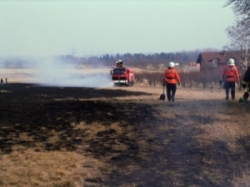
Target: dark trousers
[(171, 90), (230, 86)]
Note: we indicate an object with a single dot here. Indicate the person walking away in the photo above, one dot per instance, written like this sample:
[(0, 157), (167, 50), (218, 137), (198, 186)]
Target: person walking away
[(245, 85), (230, 76), (171, 78)]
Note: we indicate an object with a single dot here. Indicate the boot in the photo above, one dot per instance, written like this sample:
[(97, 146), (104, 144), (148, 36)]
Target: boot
[(246, 95), (173, 98), (244, 98)]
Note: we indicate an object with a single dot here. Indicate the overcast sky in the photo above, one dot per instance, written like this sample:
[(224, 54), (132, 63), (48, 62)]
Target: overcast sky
[(94, 27)]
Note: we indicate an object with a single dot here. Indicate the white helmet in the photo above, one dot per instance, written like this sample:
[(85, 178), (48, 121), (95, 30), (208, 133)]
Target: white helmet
[(171, 64), (231, 62)]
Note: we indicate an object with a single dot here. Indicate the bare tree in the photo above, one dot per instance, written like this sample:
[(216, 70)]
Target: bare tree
[(240, 7), (239, 34)]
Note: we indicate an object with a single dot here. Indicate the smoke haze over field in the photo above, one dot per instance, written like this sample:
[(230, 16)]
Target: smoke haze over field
[(53, 72)]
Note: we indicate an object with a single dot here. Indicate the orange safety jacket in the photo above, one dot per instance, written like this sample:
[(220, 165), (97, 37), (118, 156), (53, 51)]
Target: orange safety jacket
[(171, 76), (230, 74)]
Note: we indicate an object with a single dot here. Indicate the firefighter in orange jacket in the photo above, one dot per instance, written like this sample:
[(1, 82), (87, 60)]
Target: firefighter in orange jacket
[(230, 76), (171, 78)]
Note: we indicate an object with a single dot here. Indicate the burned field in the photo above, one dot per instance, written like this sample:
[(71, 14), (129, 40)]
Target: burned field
[(143, 143)]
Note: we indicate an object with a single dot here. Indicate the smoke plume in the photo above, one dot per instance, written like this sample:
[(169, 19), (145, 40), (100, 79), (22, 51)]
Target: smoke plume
[(53, 72)]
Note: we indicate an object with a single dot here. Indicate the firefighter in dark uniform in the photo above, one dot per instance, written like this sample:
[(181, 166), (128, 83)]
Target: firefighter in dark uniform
[(245, 85)]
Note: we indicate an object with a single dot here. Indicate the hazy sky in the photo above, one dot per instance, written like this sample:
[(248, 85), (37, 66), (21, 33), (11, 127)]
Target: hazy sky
[(95, 27)]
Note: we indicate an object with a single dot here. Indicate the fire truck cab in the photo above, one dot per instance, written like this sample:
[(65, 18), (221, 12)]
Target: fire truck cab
[(122, 76)]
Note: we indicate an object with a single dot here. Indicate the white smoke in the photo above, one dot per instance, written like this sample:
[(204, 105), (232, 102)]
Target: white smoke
[(53, 72)]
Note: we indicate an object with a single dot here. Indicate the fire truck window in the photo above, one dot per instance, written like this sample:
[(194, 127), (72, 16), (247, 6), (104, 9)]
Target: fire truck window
[(119, 71)]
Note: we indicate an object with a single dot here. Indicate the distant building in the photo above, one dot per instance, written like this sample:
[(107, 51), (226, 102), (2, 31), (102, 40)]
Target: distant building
[(193, 64), (218, 59)]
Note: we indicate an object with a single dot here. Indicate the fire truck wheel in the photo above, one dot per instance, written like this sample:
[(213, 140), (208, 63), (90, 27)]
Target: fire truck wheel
[(130, 83)]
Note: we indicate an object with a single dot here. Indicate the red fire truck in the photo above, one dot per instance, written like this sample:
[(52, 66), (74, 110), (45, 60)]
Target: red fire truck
[(122, 76)]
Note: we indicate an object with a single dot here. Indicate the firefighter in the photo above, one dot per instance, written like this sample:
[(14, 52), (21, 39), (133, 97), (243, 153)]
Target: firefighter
[(170, 79), (230, 76), (245, 85), (120, 63)]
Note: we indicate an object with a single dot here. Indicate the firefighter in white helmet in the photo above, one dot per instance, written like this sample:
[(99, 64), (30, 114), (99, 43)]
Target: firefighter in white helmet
[(230, 76), (119, 63), (171, 78)]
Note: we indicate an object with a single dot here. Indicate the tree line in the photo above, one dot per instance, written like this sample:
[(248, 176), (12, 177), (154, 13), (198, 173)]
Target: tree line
[(136, 59), (141, 60)]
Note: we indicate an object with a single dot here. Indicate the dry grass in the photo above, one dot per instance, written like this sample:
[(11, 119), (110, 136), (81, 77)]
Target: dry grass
[(46, 169)]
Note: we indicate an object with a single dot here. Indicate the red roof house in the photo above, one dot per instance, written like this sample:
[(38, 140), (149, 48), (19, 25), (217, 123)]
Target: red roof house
[(215, 59)]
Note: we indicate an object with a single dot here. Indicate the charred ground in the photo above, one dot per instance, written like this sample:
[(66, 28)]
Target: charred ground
[(143, 146)]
